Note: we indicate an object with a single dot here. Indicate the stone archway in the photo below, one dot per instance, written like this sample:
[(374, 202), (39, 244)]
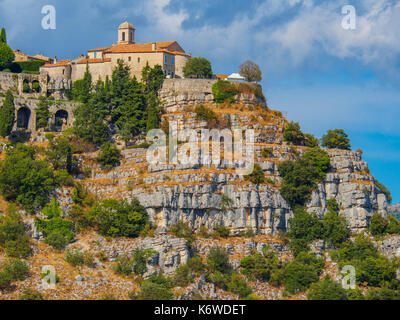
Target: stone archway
[(36, 86), (61, 118), (23, 118), (26, 86)]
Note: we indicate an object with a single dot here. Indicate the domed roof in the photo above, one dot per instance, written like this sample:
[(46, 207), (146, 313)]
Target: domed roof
[(126, 25)]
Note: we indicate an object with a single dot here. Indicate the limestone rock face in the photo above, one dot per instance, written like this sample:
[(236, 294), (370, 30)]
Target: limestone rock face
[(192, 193), (170, 252)]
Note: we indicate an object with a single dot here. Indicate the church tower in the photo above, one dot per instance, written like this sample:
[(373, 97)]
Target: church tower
[(126, 33)]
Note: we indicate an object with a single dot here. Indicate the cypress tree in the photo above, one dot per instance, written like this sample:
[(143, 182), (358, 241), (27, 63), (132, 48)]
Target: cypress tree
[(3, 38), (152, 117), (7, 115), (42, 113)]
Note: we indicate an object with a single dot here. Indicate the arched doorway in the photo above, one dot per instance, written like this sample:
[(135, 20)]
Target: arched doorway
[(23, 116), (36, 86), (61, 118), (26, 88)]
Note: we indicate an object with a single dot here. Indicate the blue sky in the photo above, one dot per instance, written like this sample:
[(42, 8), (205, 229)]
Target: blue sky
[(315, 71)]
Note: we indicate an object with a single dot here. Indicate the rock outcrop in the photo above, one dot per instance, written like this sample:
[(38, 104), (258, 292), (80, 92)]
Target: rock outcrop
[(192, 193)]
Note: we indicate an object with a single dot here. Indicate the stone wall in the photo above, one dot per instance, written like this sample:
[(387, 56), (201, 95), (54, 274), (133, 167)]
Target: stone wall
[(55, 86), (25, 112)]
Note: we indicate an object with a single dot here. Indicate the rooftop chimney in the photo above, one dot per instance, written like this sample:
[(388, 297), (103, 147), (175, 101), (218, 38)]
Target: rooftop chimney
[(55, 59), (154, 46)]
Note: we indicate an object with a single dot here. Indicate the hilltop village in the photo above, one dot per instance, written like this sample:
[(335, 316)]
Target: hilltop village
[(85, 215)]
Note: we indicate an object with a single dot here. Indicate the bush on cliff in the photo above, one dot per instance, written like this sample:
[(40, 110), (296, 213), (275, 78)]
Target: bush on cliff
[(7, 114), (336, 139), (301, 176), (119, 218), (109, 156), (25, 180), (6, 56), (224, 91), (13, 237), (327, 289), (304, 270), (43, 113), (198, 67), (256, 176), (371, 267)]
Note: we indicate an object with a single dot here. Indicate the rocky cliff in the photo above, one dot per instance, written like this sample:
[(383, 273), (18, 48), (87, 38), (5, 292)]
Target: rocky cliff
[(192, 193)]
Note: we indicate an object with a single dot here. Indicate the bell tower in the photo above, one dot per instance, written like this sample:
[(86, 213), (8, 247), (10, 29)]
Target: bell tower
[(126, 33)]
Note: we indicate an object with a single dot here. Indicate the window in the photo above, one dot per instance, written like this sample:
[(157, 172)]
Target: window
[(123, 36), (129, 58), (172, 59), (165, 59), (138, 60), (95, 54)]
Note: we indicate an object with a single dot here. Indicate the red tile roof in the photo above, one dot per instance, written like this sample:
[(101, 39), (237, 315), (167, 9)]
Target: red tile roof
[(61, 63), (96, 60)]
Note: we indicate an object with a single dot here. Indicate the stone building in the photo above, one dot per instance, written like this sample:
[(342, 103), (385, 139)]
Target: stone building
[(101, 61)]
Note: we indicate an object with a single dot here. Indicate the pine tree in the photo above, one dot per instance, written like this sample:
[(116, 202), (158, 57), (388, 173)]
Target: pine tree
[(7, 115), (152, 116), (3, 37), (42, 113)]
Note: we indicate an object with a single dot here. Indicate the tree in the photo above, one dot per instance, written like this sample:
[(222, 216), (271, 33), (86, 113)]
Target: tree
[(119, 218), (293, 133), (152, 79), (300, 177), (128, 102), (7, 115), (336, 139), (199, 67), (59, 154), (6, 54), (81, 88), (109, 156), (251, 71), (336, 230), (90, 118), (257, 176), (3, 38), (24, 179), (327, 289), (43, 113)]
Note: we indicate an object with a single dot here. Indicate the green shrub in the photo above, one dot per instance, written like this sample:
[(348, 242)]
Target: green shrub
[(19, 248), (182, 276), (27, 66), (384, 190), (371, 267), (63, 178), (136, 263), (29, 294), (204, 113), (336, 229), (377, 225), (221, 280), (55, 225), (18, 269), (293, 134), (218, 260), (224, 91), (182, 230), (267, 152), (154, 291), (109, 156), (78, 258), (5, 280), (221, 231), (382, 294), (257, 176), (119, 218), (196, 265), (255, 267), (238, 285), (57, 241), (199, 67), (300, 177), (326, 289), (302, 272), (24, 179), (336, 139)]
